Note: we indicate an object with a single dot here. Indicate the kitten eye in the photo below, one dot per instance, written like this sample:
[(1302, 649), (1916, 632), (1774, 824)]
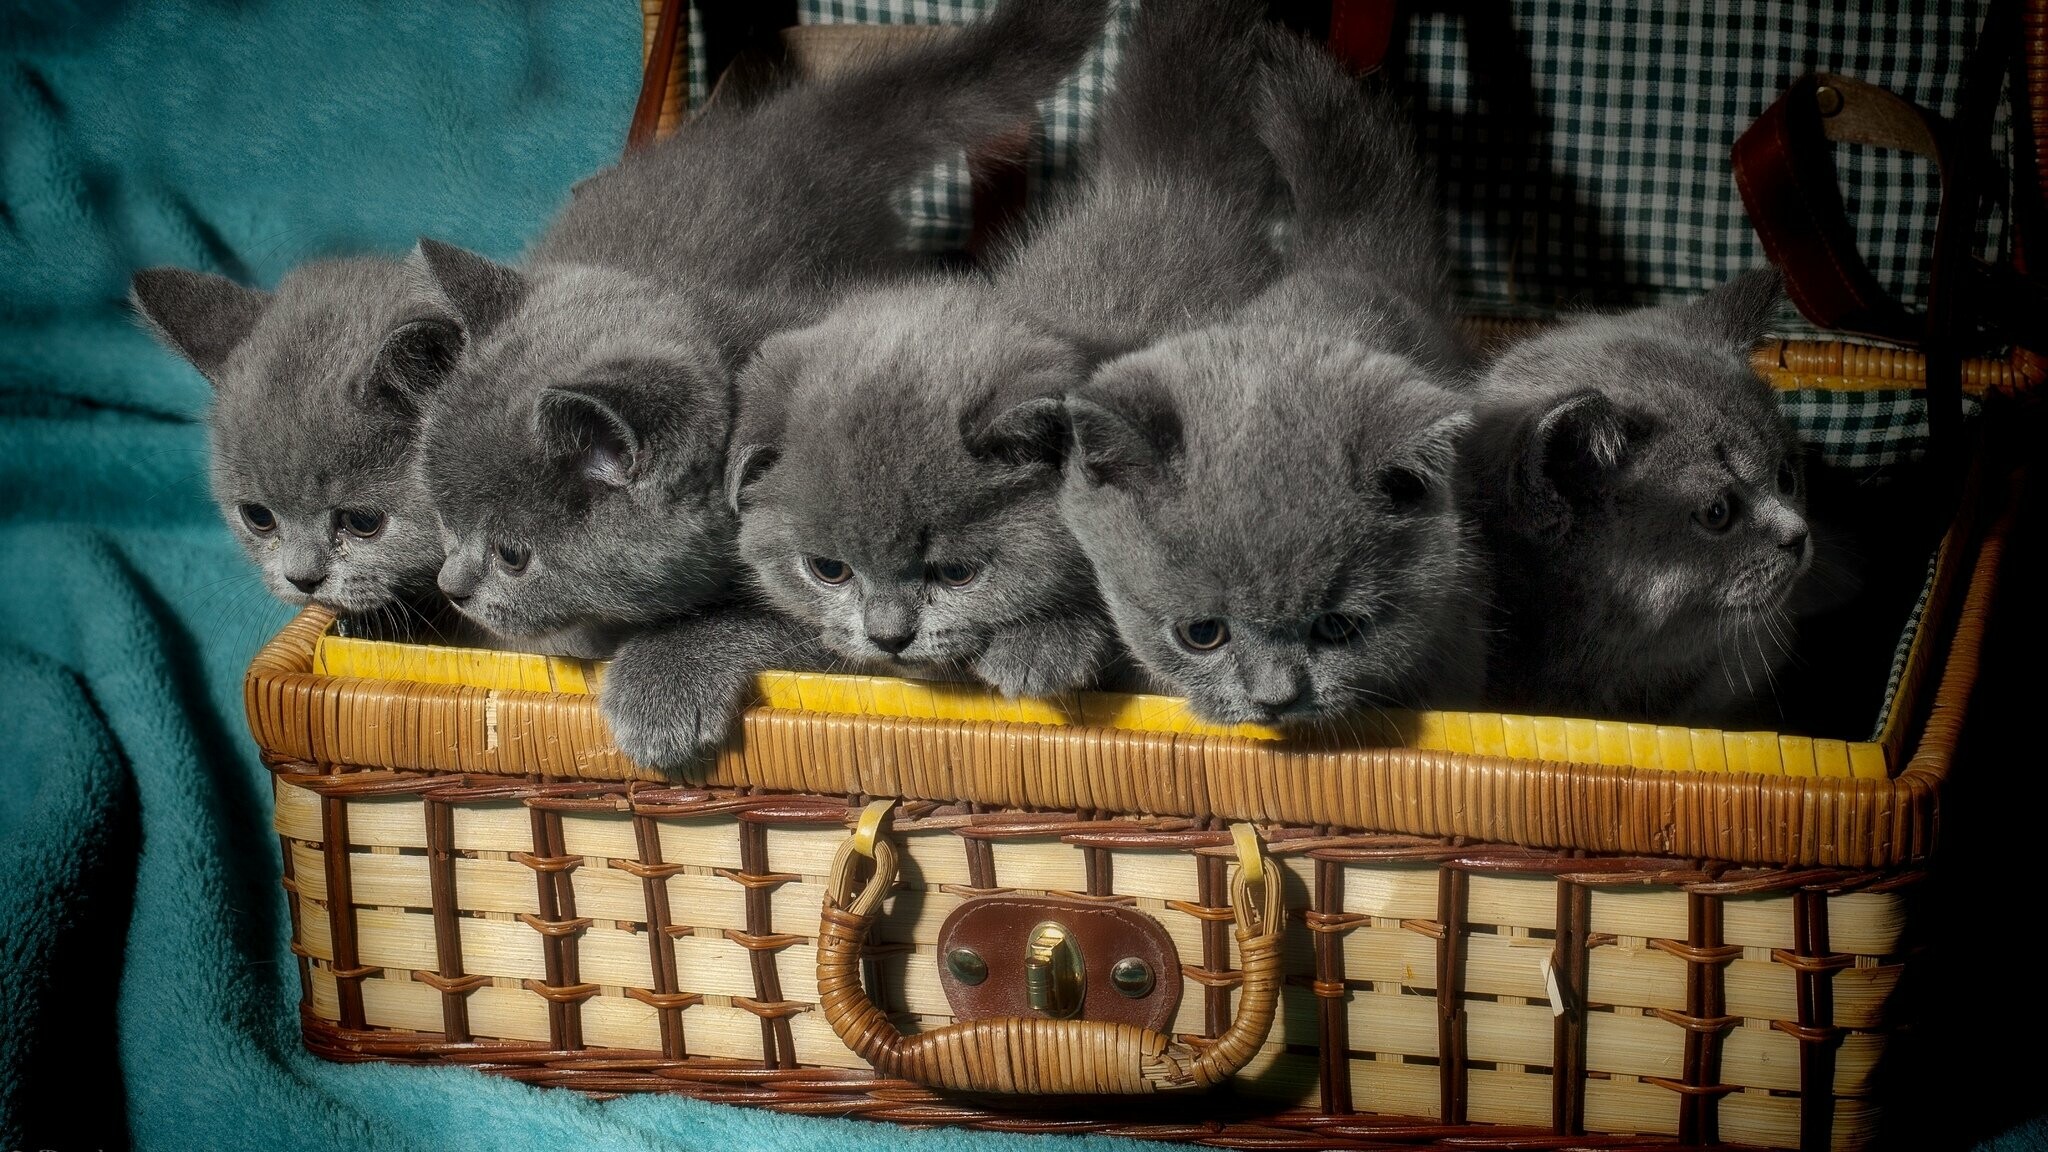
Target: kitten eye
[(1404, 487), (1718, 515), (1335, 628), (829, 571), (514, 557), (956, 575), (1788, 478), (362, 524), (258, 518), (1203, 635)]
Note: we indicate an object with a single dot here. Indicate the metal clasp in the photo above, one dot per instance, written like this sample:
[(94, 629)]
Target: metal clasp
[(1054, 978)]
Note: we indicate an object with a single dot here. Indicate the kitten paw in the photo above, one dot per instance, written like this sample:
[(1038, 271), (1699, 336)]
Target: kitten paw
[(1043, 659), (670, 705)]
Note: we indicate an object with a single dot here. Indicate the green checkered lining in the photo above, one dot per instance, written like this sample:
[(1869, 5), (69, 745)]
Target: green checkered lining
[(1628, 198), (1861, 430)]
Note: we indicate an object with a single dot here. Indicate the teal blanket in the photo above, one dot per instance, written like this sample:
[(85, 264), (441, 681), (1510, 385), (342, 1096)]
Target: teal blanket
[(143, 934)]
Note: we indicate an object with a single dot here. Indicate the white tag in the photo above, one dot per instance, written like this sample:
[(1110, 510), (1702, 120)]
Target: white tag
[(1550, 983)]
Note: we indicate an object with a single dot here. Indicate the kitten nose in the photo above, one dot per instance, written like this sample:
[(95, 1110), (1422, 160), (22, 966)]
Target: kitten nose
[(306, 584), (1796, 542), (891, 625), (892, 643), (456, 581), (1277, 690)]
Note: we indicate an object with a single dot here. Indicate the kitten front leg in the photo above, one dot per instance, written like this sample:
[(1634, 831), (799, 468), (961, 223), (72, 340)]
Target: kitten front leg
[(1047, 657), (671, 695)]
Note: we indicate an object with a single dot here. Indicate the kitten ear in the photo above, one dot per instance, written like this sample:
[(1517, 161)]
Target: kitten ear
[(1426, 464), (586, 430), (756, 439), (1030, 433), (1120, 435), (480, 292), (1575, 444), (762, 399), (198, 315), (1739, 313), (744, 466), (415, 359)]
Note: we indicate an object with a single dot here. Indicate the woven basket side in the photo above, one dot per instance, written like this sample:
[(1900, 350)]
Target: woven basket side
[(1943, 729), (1829, 364), (562, 919), (1804, 821)]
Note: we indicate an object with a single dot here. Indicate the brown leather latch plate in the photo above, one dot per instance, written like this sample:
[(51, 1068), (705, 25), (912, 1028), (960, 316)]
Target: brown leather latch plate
[(998, 931)]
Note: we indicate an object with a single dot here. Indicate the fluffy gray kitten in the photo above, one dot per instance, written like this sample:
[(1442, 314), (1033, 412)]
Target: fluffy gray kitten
[(1639, 479), (898, 464), (577, 459), (1269, 502), (318, 390)]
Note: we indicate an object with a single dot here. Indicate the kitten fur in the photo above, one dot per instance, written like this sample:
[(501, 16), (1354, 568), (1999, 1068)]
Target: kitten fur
[(1268, 503), (1599, 453), (577, 458), (924, 465), (318, 389)]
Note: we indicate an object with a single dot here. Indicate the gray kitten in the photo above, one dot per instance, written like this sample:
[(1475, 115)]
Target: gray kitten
[(318, 389), (1269, 502), (1639, 478), (906, 508), (577, 458)]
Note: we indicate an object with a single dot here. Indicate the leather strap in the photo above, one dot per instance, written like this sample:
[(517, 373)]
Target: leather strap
[(1785, 169)]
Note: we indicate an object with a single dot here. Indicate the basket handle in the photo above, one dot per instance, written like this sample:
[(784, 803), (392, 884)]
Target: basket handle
[(1014, 1055)]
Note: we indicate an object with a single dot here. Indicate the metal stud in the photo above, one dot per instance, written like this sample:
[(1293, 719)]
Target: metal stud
[(967, 966), (1132, 977), (1828, 100)]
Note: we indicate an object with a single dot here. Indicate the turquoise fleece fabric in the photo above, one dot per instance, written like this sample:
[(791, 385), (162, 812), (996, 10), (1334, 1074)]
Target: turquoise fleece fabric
[(143, 934)]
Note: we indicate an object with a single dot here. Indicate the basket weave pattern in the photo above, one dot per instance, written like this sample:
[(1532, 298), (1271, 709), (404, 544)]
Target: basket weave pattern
[(617, 935)]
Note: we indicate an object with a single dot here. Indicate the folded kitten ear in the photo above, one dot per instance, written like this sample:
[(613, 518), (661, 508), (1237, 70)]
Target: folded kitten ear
[(414, 360), (763, 398), (586, 430), (480, 292), (1024, 434), (1739, 313), (756, 442), (198, 315), (1426, 465), (1574, 446), (1119, 436), (743, 466)]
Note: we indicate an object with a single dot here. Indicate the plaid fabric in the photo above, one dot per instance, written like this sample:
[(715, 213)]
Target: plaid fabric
[(1861, 430), (1628, 196), (1625, 196)]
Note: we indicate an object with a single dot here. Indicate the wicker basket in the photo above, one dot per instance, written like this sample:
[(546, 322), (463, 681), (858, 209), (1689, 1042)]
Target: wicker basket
[(1509, 945), (1475, 927)]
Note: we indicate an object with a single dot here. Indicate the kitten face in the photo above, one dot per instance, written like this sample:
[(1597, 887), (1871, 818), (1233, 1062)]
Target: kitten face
[(1684, 489), (1271, 518), (318, 393), (575, 461), (1641, 475), (909, 509)]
